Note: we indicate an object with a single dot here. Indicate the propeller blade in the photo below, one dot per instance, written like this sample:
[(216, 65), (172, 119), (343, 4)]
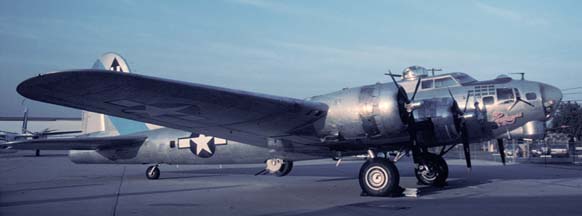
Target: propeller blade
[(501, 148), (512, 105), (467, 152), (415, 89), (393, 79), (466, 103), (451, 94), (466, 149), (528, 103)]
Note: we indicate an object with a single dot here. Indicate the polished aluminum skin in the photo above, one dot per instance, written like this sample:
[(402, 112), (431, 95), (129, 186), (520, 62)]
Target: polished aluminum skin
[(346, 122)]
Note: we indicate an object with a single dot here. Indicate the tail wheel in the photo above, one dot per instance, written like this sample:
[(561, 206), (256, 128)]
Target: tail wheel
[(153, 172), (431, 170), (379, 177), (285, 169), (278, 167)]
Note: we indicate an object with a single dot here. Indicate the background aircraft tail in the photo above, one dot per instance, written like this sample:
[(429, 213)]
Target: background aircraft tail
[(100, 123)]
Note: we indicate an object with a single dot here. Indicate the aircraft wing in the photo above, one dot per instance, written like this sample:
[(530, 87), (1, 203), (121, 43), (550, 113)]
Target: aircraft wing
[(83, 143), (232, 114)]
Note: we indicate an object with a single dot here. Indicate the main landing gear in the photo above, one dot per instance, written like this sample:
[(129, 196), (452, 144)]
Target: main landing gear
[(380, 177), (431, 170)]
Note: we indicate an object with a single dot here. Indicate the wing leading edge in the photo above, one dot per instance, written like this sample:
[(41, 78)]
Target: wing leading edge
[(237, 115)]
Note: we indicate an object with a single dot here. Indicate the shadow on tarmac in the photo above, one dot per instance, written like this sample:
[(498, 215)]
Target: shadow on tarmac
[(41, 201)]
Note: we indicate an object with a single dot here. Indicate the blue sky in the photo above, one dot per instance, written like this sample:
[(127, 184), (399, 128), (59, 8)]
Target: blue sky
[(289, 48)]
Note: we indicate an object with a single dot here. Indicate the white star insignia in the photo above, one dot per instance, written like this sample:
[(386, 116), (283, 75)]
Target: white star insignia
[(202, 143)]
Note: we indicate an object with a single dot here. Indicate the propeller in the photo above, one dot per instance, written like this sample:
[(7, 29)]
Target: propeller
[(518, 99), (464, 132), (42, 134), (412, 124), (408, 117)]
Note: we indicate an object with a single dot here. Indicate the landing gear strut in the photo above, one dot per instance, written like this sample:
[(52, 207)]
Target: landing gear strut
[(379, 177), (153, 172), (431, 169)]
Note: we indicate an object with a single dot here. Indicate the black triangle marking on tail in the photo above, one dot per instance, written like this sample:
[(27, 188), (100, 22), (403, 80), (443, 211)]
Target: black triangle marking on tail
[(115, 66)]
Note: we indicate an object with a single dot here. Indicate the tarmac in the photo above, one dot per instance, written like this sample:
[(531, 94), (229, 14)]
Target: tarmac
[(52, 185)]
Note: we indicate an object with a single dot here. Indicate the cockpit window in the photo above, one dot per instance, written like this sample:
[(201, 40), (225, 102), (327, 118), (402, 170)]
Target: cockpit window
[(426, 84), (488, 100), (444, 82), (530, 96), (463, 78), (504, 94)]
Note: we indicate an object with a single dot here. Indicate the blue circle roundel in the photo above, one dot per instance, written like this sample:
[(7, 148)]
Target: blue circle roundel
[(202, 146)]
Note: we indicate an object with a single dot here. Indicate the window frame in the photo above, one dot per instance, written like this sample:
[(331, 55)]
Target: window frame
[(431, 81), (453, 83), (499, 99), (535, 96), (487, 97)]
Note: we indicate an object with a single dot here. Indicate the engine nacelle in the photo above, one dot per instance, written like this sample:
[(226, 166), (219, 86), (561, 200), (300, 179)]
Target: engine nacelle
[(438, 121), (370, 113), (367, 112)]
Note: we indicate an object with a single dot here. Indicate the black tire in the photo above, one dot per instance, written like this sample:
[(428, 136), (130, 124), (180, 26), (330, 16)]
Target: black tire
[(431, 170), (285, 169), (153, 172), (379, 177)]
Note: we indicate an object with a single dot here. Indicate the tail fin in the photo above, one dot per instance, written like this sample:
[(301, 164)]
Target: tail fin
[(111, 61), (96, 122)]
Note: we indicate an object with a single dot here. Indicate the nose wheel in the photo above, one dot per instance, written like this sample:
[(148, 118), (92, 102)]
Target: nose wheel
[(153, 172), (379, 177), (431, 169)]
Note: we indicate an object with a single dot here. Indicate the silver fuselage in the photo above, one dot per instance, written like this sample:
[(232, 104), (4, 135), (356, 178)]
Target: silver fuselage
[(158, 149)]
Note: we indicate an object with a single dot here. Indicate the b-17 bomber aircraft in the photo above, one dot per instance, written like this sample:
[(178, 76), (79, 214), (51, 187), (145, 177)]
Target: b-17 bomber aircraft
[(137, 119)]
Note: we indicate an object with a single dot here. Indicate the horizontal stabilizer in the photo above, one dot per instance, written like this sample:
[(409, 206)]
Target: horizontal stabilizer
[(83, 143)]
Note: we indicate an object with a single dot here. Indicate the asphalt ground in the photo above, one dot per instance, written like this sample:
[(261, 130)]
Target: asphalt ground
[(52, 185)]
